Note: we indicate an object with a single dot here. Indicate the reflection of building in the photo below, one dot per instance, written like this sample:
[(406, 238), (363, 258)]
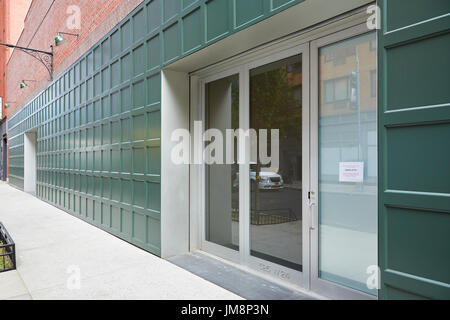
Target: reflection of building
[(348, 106), (340, 91)]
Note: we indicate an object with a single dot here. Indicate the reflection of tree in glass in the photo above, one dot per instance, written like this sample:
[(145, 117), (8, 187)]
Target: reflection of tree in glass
[(273, 103), (235, 104)]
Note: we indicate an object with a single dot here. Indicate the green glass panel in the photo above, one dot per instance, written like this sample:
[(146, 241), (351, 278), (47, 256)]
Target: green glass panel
[(115, 160), (115, 44), (125, 95), (126, 161), (433, 68), (115, 132), (396, 17), (115, 218), (115, 188), (139, 127), (115, 103), (105, 160), (154, 124), (106, 79), (106, 215), (126, 67), (140, 227), (126, 130), (139, 60), (139, 94), (154, 52), (126, 223), (192, 31), (139, 160), (171, 42), (154, 88), (154, 196), (154, 232), (140, 192), (106, 48), (97, 57), (126, 191), (139, 25), (154, 15), (217, 18), (115, 73), (247, 10)]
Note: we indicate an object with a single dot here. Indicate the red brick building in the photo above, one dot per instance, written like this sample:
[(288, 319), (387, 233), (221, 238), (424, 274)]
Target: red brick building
[(34, 24), (42, 22), (12, 15)]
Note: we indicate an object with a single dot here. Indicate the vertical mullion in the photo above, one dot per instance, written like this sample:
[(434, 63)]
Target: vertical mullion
[(306, 166), (244, 168)]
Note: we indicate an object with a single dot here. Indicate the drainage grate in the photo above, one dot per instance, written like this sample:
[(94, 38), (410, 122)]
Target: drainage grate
[(7, 250)]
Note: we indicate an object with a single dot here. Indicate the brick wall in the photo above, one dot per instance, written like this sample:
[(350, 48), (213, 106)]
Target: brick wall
[(44, 19)]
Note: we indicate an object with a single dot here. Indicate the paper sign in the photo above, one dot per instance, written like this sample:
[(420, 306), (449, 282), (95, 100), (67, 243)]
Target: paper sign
[(351, 171)]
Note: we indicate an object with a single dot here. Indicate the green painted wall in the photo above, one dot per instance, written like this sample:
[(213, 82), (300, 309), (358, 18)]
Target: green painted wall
[(98, 124), (414, 149)]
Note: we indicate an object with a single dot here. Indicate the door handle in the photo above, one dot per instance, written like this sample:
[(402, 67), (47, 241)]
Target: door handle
[(312, 215)]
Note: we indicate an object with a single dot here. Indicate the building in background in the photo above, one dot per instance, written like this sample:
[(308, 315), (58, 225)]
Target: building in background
[(12, 15), (363, 179)]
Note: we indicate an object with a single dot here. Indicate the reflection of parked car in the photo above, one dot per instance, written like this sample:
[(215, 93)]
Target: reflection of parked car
[(265, 180)]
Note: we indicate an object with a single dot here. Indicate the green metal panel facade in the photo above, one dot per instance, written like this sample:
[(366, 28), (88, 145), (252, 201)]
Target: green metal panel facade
[(414, 149), (98, 124)]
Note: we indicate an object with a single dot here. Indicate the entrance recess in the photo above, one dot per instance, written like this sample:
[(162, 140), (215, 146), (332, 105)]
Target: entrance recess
[(309, 221), (30, 162)]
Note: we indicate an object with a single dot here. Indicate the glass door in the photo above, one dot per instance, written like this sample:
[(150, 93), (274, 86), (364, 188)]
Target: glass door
[(344, 164), (254, 210), (278, 100)]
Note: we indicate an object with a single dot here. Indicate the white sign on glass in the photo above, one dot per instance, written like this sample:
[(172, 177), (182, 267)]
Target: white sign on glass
[(351, 171)]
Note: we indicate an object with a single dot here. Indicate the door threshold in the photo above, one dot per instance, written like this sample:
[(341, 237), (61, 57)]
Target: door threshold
[(237, 280)]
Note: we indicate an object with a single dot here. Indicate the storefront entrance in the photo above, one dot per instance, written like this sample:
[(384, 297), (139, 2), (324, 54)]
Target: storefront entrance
[(310, 218)]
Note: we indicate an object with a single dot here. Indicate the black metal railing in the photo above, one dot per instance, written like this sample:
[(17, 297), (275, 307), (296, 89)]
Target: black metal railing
[(7, 250)]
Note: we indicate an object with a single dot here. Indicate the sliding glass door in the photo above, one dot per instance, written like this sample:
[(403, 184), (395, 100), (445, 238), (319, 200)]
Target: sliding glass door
[(253, 209)]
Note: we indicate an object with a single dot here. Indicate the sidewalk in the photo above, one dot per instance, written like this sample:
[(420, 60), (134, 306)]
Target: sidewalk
[(52, 246)]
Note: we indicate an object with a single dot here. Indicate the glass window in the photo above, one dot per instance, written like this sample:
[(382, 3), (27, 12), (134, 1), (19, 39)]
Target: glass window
[(347, 164)]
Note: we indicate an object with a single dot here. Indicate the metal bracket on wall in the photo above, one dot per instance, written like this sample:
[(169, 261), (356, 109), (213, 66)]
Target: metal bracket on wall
[(44, 57)]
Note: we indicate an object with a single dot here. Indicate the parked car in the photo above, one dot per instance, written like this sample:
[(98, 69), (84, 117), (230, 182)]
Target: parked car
[(265, 180)]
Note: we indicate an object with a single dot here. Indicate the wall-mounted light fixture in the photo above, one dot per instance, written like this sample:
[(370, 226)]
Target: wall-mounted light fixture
[(7, 104), (59, 39), (23, 84), (44, 57)]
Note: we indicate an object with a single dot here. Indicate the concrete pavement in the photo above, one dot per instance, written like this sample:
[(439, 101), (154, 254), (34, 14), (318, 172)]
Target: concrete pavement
[(62, 257)]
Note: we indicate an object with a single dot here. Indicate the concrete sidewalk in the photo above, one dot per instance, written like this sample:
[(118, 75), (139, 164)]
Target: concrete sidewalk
[(52, 246)]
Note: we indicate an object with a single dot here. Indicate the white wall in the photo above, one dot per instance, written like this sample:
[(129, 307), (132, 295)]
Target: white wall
[(30, 162), (174, 177)]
